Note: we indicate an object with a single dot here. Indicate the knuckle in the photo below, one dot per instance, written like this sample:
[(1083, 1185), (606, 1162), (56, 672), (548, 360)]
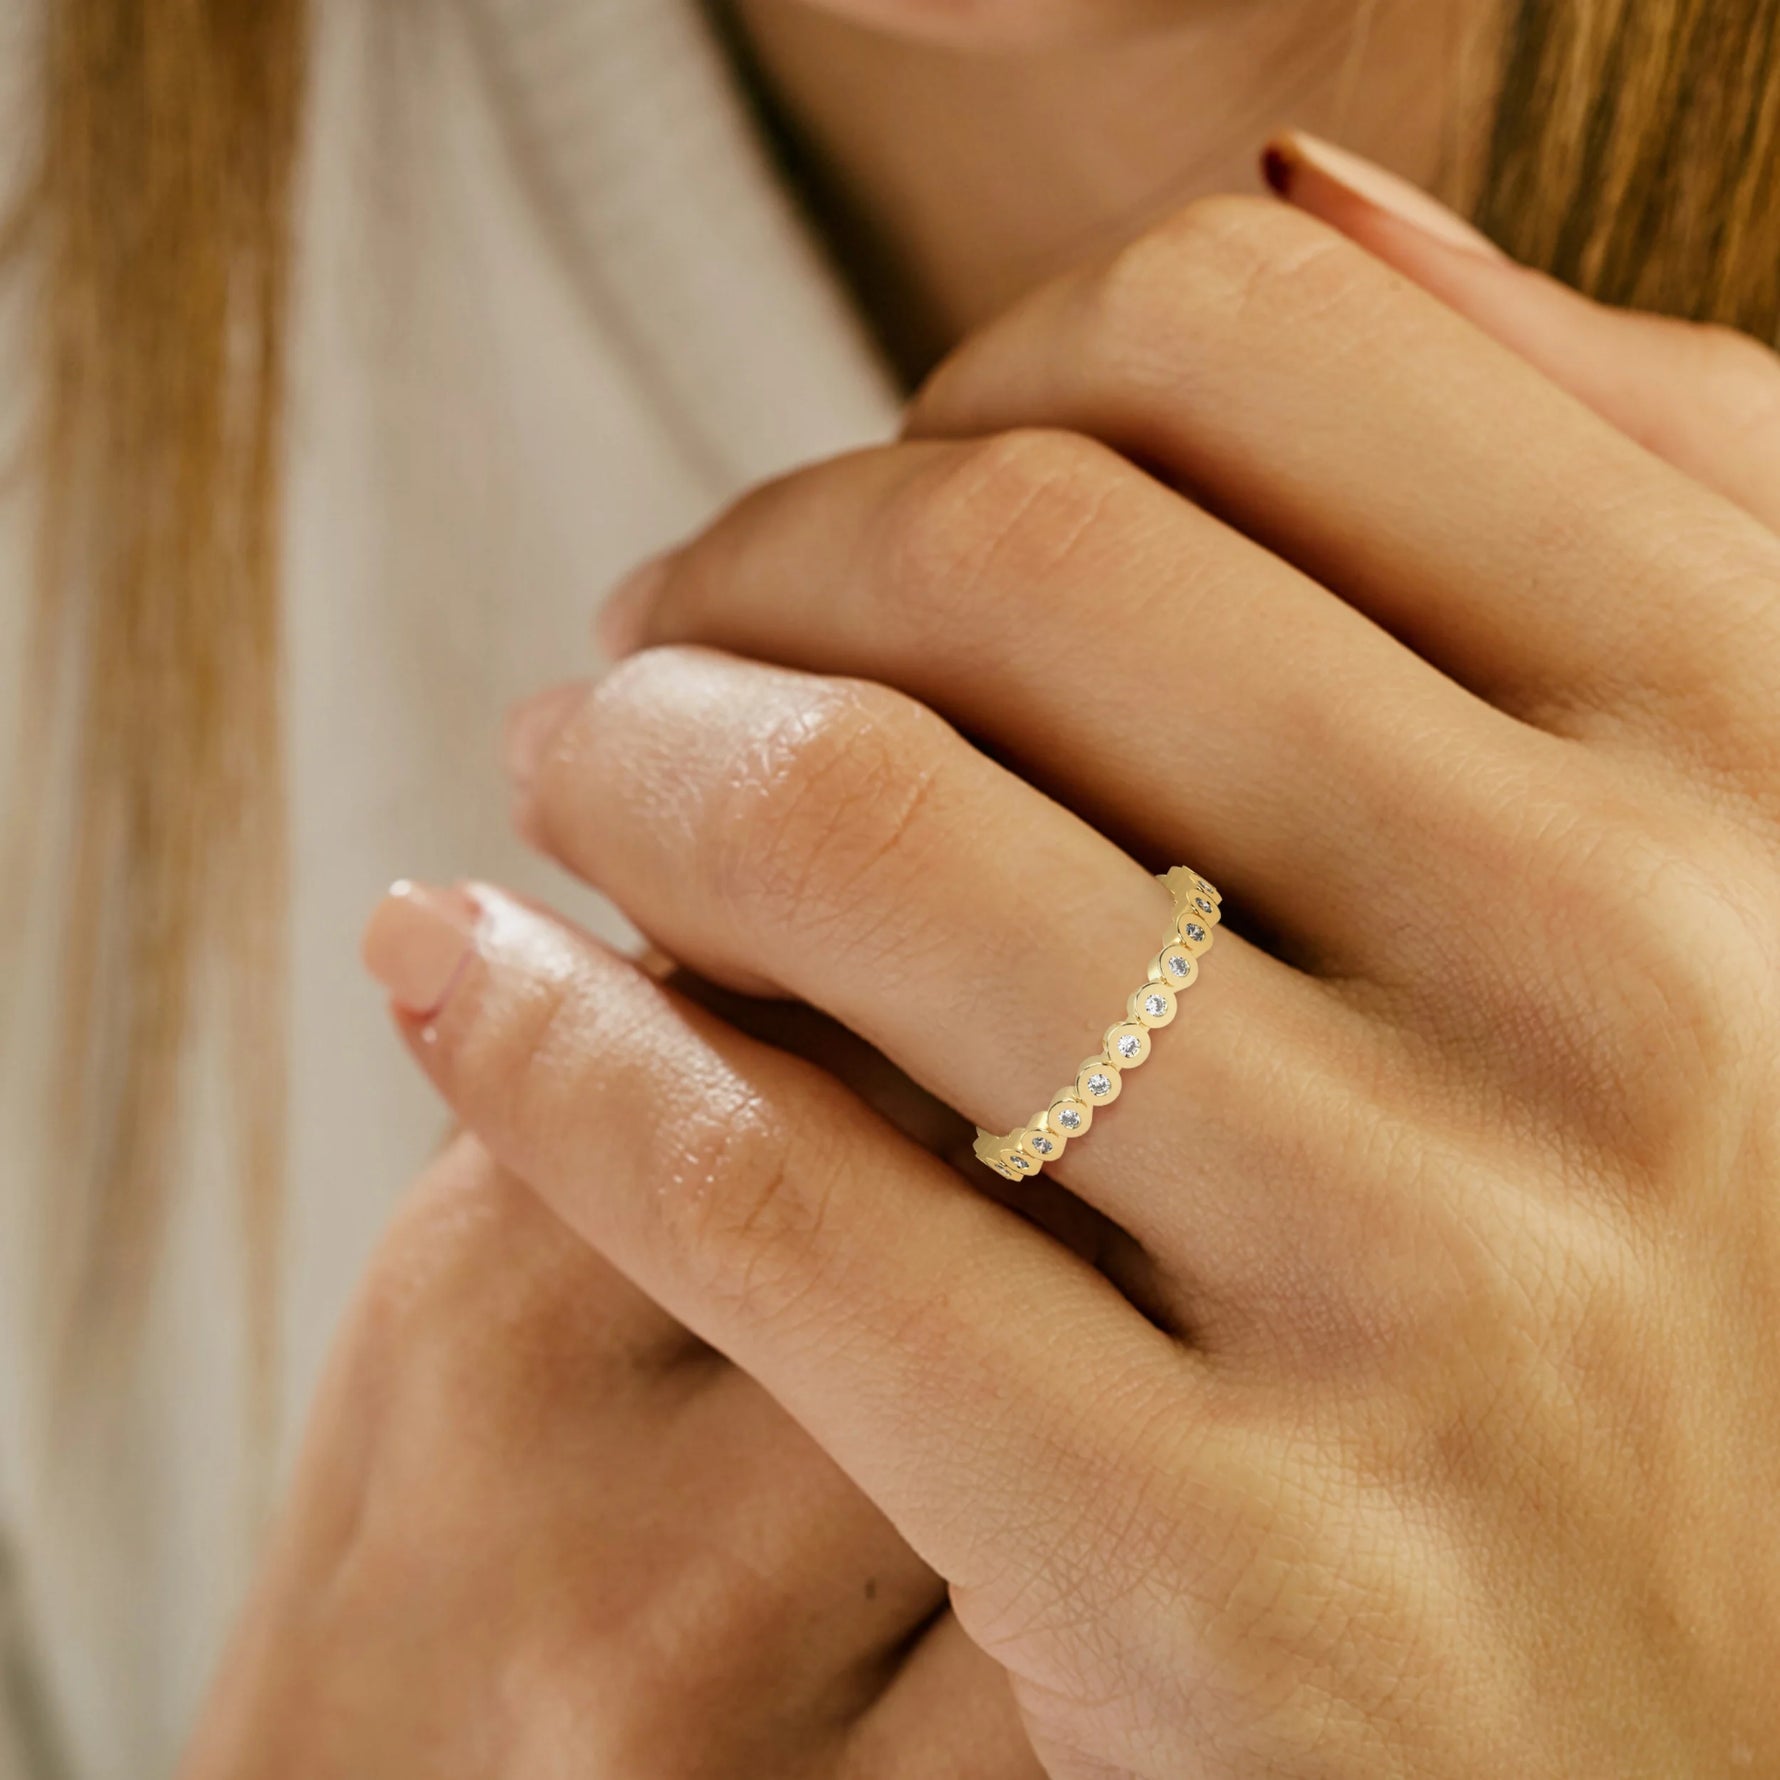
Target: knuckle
[(743, 1219), (1234, 256), (1671, 911), (830, 822), (1660, 979), (434, 1247), (525, 1042), (1575, 1288), (475, 1269), (991, 519), (1285, 1583), (1635, 978)]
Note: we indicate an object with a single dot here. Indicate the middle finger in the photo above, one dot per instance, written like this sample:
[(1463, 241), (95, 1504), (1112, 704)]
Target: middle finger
[(1121, 648)]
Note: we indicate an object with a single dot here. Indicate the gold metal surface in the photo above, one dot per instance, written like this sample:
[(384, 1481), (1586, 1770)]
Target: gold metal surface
[(1023, 1153)]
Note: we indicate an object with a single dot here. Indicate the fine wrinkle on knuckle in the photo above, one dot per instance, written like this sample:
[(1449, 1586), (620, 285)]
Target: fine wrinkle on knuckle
[(827, 824), (1221, 268), (539, 1065), (1054, 1618), (1266, 1636), (1679, 915), (744, 1210), (989, 521), (1316, 1602), (1658, 981), (1573, 1320)]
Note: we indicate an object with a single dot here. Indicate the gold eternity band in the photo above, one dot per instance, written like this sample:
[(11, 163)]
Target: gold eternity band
[(1022, 1154)]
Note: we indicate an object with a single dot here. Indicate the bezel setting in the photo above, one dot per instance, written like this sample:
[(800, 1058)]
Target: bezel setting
[(1023, 1154)]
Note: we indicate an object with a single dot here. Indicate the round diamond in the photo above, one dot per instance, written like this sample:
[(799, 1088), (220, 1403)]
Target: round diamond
[(1130, 1045), (1099, 1085), (1178, 966), (1157, 1005), (1020, 1163), (1195, 932), (1043, 1145), (1202, 905), (1070, 1118), (1201, 883)]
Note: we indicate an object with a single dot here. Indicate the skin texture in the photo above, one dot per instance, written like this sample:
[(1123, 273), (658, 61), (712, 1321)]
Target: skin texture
[(1419, 1420)]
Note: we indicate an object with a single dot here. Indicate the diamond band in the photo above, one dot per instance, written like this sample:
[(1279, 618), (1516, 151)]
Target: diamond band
[(1021, 1155)]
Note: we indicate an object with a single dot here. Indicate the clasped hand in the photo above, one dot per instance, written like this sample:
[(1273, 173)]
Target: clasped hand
[(1413, 1405)]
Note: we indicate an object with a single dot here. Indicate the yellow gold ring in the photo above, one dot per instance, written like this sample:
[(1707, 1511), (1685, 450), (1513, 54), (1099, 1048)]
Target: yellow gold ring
[(1022, 1154)]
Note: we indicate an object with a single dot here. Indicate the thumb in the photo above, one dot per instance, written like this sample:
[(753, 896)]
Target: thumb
[(1704, 397)]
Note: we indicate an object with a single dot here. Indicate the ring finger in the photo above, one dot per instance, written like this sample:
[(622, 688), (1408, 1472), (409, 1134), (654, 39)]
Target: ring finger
[(834, 841)]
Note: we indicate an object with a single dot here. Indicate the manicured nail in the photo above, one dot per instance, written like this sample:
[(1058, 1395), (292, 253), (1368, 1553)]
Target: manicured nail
[(417, 942), (1317, 176), (622, 626), (532, 727)]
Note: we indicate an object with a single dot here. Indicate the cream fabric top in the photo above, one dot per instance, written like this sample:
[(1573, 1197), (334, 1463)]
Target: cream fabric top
[(552, 308)]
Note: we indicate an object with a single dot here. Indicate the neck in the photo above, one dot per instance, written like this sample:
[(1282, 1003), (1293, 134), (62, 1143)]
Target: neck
[(951, 181)]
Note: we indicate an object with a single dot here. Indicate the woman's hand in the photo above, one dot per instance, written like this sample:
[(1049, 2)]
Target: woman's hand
[(1424, 1416), (540, 1530)]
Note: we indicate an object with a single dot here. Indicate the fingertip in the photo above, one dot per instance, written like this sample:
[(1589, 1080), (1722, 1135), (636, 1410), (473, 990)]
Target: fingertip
[(1346, 191), (531, 727), (622, 625), (417, 943)]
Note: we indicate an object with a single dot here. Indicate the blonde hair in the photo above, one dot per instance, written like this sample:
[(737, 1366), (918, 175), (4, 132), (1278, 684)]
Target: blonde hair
[(1632, 152), (160, 229), (1636, 153)]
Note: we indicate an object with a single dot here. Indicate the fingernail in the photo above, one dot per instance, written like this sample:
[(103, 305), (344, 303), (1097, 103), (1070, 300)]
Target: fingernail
[(417, 942), (622, 626), (532, 727), (1316, 176)]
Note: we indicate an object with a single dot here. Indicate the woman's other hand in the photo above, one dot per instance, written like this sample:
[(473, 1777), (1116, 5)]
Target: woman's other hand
[(538, 1530)]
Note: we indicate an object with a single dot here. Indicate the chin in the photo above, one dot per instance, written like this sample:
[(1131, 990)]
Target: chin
[(1007, 24)]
